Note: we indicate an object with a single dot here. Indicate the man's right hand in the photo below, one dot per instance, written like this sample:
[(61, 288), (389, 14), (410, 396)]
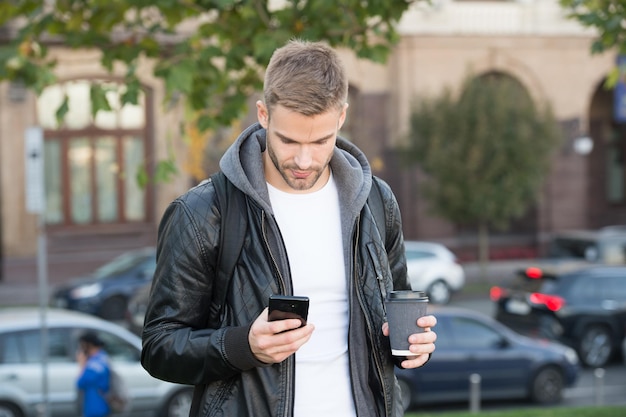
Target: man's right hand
[(275, 341)]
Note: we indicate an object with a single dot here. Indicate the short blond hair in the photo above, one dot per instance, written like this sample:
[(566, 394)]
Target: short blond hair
[(306, 77)]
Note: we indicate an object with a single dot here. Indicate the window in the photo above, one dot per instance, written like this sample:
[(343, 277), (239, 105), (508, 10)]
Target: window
[(416, 254), (116, 348), (614, 288), (472, 334), (576, 248), (25, 346), (91, 163)]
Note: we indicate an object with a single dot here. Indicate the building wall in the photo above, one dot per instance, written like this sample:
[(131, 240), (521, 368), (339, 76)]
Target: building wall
[(19, 228)]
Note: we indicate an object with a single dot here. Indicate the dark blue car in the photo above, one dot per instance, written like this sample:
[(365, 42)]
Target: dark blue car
[(510, 365), (106, 291)]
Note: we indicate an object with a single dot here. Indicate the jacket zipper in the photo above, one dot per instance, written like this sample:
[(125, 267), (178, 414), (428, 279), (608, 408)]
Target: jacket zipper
[(291, 364), (281, 280), (375, 349)]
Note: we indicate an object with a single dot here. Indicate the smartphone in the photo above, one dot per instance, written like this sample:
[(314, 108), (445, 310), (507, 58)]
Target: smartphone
[(289, 307)]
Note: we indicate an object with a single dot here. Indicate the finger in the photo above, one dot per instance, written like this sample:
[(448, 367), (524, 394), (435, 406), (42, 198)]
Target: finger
[(415, 361), (288, 342), (427, 321), (280, 326), (427, 337)]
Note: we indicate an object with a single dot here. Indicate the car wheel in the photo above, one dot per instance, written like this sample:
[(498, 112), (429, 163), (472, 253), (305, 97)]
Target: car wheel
[(547, 386), (114, 308), (439, 292), (9, 410), (595, 347), (405, 393), (178, 404)]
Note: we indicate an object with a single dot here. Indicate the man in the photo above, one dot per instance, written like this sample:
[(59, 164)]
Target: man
[(93, 381), (309, 233)]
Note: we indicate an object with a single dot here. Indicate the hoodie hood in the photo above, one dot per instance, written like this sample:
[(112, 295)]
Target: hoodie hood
[(243, 166)]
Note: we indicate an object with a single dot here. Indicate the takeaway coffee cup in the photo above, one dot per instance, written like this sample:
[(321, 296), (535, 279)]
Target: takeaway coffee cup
[(403, 310)]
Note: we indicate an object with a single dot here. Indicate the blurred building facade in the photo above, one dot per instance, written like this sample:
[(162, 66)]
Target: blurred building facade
[(534, 43), (93, 202)]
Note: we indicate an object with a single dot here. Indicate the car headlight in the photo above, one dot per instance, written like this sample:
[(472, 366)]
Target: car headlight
[(571, 356), (86, 291)]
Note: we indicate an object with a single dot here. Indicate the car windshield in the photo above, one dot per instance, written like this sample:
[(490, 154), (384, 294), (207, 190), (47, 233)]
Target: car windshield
[(615, 251), (412, 254), (563, 247), (120, 264)]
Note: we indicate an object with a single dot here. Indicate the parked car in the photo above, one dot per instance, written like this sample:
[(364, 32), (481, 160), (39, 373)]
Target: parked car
[(572, 249), (106, 291), (136, 311), (585, 308), (510, 365), (434, 269), (21, 369)]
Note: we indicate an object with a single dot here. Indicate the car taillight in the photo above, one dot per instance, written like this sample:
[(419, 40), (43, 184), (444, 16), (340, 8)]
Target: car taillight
[(496, 293), (552, 302), (534, 272)]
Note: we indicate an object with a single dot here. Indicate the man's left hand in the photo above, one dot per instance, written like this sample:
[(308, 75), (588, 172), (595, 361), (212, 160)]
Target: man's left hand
[(421, 344)]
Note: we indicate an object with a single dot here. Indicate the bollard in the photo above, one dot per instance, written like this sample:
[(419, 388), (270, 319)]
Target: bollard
[(474, 380), (598, 386)]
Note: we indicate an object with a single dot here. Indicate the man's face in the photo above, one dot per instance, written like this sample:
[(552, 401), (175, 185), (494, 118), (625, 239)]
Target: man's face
[(299, 148)]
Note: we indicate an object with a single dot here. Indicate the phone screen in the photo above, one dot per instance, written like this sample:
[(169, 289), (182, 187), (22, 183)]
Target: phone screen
[(288, 307)]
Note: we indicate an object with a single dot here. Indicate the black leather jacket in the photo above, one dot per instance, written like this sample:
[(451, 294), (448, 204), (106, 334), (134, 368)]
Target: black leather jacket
[(184, 343)]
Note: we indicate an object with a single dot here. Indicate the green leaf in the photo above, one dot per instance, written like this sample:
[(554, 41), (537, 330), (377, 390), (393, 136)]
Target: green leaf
[(142, 176), (99, 100), (165, 171), (612, 78), (62, 110), (180, 76)]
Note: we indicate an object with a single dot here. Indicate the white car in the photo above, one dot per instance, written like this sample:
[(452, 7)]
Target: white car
[(21, 366), (434, 269)]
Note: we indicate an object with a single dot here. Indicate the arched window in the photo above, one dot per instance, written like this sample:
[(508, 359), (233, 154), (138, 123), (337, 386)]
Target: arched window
[(91, 163)]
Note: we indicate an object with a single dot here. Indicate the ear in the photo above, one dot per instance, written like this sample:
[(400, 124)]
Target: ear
[(262, 114), (342, 116)]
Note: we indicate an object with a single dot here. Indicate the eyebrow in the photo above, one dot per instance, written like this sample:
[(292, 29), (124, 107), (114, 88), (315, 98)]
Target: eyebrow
[(287, 139)]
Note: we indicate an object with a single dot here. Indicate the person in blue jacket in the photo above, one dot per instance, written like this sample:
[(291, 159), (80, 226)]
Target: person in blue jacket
[(93, 381)]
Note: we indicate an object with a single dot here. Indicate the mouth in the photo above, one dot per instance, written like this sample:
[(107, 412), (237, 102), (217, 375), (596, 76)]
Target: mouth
[(300, 175)]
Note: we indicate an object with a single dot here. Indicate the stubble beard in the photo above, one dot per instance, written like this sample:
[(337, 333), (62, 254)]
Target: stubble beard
[(295, 183)]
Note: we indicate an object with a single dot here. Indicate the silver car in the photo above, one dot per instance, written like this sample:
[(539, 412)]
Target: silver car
[(22, 384)]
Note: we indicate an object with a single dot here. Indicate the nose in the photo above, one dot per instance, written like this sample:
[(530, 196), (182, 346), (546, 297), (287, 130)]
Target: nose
[(304, 157)]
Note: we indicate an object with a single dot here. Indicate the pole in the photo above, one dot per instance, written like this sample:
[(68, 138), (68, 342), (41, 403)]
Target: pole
[(598, 379), (42, 277), (474, 393), (35, 204)]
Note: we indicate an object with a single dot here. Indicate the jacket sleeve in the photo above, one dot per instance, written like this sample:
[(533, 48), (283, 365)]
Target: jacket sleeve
[(394, 238), (178, 344)]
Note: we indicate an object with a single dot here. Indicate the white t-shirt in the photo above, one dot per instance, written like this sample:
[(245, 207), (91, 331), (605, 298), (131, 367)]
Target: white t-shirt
[(311, 227)]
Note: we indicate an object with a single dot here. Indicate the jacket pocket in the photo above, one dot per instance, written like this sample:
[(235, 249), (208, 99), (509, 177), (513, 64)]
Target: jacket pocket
[(380, 265)]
